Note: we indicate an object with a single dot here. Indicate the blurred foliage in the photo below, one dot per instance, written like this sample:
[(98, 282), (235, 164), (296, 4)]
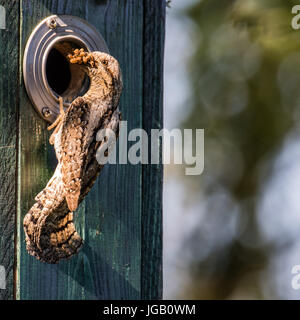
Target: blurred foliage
[(245, 80)]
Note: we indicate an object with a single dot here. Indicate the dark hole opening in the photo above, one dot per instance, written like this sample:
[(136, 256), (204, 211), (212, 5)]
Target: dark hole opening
[(58, 71)]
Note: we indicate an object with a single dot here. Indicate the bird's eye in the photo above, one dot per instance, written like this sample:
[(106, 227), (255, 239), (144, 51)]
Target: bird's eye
[(104, 62)]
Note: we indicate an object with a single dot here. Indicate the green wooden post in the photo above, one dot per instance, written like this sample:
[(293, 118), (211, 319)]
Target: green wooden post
[(121, 219), (9, 84)]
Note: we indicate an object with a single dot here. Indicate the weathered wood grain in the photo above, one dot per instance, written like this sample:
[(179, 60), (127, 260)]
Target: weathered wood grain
[(120, 220), (109, 220), (153, 46), (9, 81)]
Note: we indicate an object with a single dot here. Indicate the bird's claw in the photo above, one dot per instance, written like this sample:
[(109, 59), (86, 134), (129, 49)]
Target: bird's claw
[(56, 124)]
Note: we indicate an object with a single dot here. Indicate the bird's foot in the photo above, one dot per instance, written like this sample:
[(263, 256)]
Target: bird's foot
[(56, 124)]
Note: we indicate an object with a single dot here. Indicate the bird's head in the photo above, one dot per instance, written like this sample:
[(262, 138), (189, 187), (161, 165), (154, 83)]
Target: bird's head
[(104, 72)]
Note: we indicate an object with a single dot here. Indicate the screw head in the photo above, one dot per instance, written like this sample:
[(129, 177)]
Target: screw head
[(46, 112), (51, 23)]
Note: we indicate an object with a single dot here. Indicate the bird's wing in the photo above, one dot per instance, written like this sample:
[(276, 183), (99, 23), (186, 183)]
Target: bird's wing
[(73, 150)]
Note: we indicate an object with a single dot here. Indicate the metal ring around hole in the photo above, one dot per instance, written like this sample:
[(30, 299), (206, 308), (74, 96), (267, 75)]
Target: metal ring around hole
[(49, 32), (45, 57)]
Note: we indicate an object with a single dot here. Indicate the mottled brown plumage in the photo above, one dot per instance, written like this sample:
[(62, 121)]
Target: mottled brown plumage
[(49, 227)]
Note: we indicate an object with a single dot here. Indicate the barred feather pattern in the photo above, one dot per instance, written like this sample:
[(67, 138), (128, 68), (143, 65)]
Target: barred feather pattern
[(50, 232)]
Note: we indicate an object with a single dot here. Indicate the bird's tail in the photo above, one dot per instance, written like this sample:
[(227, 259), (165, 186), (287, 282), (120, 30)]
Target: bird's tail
[(49, 226)]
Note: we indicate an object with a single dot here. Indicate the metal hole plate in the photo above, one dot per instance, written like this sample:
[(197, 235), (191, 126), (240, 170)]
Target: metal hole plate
[(52, 30)]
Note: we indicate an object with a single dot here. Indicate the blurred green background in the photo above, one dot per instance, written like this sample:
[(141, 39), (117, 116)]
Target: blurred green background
[(232, 67)]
